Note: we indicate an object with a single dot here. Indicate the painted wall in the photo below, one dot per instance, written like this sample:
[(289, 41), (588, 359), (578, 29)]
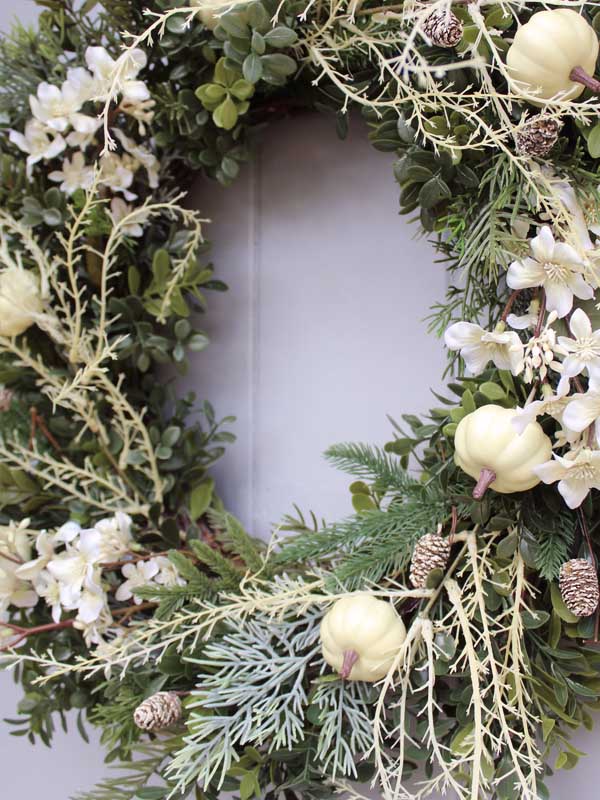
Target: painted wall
[(320, 336)]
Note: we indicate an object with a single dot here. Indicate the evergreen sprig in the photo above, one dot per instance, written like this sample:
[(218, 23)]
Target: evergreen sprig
[(371, 463)]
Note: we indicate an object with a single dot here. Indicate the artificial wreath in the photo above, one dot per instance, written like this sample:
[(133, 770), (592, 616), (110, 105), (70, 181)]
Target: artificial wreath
[(445, 637)]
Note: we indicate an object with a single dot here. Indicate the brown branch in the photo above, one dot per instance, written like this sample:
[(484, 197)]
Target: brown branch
[(579, 75), (38, 421), (509, 304), (24, 633)]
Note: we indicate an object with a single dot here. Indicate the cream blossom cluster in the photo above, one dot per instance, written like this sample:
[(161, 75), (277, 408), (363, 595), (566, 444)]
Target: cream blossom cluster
[(554, 347), (66, 118), (67, 570)]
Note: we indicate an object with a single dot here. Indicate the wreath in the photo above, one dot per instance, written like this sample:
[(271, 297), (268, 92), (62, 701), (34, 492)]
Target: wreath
[(444, 637)]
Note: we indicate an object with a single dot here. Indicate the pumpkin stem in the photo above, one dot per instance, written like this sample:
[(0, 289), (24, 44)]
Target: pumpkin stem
[(579, 75), (350, 659), (486, 477)]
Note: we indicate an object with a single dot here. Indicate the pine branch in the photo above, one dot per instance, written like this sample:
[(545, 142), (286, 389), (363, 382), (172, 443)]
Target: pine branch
[(366, 547), (217, 563), (371, 463), (551, 536), (235, 540)]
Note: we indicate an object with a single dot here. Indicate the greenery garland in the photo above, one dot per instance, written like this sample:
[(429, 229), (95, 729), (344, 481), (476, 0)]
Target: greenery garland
[(445, 637)]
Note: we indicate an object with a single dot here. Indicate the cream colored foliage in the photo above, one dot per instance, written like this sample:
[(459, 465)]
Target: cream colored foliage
[(85, 383)]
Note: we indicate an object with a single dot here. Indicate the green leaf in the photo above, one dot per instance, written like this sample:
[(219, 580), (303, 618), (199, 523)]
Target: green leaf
[(593, 142), (433, 192), (133, 280), (468, 402), (547, 727), (52, 216), (281, 37), (492, 391), (462, 742), (534, 619), (226, 115), (558, 604), (235, 25), (258, 43), (362, 503), (242, 89), (176, 24), (224, 74), (279, 65), (161, 266), (211, 93), (201, 498), (252, 68)]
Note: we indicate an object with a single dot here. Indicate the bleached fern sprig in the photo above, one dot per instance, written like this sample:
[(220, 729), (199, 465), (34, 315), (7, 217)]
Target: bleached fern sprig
[(81, 333)]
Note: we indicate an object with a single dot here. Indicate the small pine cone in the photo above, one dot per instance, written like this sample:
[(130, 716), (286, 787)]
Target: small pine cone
[(443, 28), (431, 552), (537, 136), (160, 711), (578, 583)]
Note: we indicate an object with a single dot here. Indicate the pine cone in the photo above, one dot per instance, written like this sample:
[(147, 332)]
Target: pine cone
[(160, 711), (443, 28), (578, 583), (431, 552), (537, 136)]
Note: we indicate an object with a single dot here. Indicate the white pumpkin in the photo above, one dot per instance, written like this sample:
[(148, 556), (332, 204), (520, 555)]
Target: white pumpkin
[(489, 448), (547, 49), (361, 637)]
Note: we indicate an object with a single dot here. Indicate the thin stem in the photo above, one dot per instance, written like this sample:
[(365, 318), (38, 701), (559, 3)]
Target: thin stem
[(509, 304), (541, 315), (579, 75), (25, 633), (486, 478)]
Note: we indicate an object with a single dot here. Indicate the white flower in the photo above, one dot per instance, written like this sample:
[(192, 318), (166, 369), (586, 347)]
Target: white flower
[(539, 352), (92, 603), (117, 173), (15, 547), (119, 210), (583, 411), (44, 545), (582, 351), (139, 574), (20, 301), (37, 143), (77, 567), (74, 174), (552, 405), (577, 473), (168, 575), (528, 320), (58, 108), (104, 69), (93, 632), (478, 346), (567, 195), (67, 532), (115, 536), (556, 267), (48, 588), (142, 155)]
